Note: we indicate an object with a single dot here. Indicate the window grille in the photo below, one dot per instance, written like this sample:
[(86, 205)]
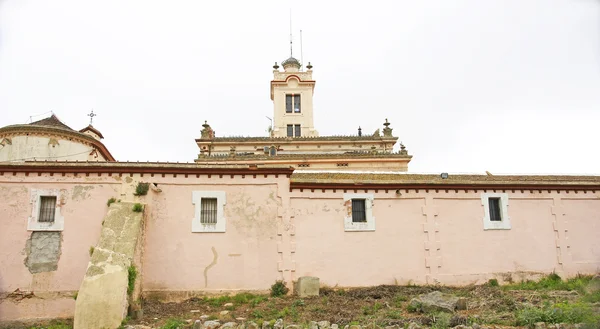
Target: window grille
[(495, 214), (359, 210), (208, 211), (47, 209), (297, 130)]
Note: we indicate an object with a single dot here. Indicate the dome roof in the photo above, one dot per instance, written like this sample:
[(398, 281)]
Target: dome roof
[(291, 61)]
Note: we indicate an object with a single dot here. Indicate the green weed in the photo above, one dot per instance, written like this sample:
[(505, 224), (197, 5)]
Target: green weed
[(552, 282), (493, 283), (279, 289), (91, 251), (138, 207), (141, 189), (111, 201), (441, 321), (173, 324), (131, 276), (558, 313)]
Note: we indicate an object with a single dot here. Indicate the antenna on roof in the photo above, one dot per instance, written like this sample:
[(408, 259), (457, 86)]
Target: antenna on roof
[(301, 54), (291, 50)]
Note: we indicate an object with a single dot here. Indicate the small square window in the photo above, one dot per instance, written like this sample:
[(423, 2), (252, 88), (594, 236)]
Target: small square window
[(47, 209), (208, 212), (495, 213), (359, 214)]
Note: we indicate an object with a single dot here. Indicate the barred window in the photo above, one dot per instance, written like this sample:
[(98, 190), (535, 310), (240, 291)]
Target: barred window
[(495, 214), (208, 211), (359, 211), (47, 209)]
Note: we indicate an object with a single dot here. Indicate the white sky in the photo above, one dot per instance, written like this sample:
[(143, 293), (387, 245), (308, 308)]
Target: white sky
[(508, 86)]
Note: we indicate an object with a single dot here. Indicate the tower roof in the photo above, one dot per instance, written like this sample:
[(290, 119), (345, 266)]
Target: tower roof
[(51, 121), (291, 61)]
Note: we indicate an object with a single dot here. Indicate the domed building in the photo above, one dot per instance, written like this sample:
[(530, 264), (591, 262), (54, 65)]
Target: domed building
[(50, 139)]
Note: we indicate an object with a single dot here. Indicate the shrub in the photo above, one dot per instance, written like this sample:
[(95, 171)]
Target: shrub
[(552, 282), (413, 307), (141, 189), (138, 207), (493, 283), (75, 295), (131, 276), (111, 201), (279, 289), (91, 251)]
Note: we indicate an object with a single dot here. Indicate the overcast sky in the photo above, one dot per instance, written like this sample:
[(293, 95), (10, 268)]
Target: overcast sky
[(508, 86)]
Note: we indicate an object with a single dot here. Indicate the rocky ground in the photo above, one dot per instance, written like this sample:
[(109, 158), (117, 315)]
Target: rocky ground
[(550, 303)]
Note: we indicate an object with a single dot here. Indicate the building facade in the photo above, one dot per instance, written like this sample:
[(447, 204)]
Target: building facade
[(243, 216)]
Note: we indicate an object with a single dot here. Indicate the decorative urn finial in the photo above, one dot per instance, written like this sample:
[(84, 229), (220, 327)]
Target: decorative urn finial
[(276, 67), (207, 132), (309, 66), (387, 131)]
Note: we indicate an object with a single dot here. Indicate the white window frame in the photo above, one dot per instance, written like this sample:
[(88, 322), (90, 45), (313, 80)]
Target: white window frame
[(36, 200), (369, 225), (198, 227), (488, 224)]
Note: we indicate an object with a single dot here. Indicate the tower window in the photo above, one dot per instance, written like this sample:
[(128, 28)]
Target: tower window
[(292, 103), (294, 131)]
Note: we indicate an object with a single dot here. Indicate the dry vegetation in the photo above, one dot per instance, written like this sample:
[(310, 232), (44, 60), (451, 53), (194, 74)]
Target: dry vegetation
[(550, 300)]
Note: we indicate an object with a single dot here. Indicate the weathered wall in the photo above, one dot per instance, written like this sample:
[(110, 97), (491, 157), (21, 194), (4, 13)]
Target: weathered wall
[(243, 258), (40, 148), (272, 233), (431, 237), (49, 264)]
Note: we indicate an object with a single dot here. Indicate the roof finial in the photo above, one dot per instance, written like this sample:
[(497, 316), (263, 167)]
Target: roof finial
[(92, 115)]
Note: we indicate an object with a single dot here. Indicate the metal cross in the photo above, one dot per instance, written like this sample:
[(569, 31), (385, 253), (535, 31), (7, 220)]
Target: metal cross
[(92, 115)]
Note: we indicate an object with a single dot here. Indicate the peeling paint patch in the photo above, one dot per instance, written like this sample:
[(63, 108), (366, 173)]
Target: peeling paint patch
[(81, 192), (214, 262), (43, 251)]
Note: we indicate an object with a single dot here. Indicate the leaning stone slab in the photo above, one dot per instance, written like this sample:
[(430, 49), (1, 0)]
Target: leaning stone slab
[(229, 325), (438, 302), (251, 325), (102, 299), (278, 324), (307, 286)]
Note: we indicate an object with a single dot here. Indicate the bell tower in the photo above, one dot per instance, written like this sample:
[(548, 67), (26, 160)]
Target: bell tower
[(292, 95)]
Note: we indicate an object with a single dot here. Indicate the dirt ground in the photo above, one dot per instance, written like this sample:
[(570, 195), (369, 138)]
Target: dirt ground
[(381, 305)]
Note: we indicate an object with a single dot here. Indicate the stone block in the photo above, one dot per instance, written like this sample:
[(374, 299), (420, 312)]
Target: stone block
[(307, 286)]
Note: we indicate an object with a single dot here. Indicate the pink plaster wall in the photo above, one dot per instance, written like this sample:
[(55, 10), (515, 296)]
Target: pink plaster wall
[(272, 234), (83, 211)]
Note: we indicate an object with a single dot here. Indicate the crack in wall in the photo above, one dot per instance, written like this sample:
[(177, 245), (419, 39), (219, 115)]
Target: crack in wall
[(214, 262)]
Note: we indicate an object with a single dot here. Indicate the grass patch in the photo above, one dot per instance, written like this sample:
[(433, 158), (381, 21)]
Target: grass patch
[(172, 324), (53, 325), (441, 321), (552, 282), (111, 201), (558, 313), (75, 295), (138, 207), (131, 276)]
